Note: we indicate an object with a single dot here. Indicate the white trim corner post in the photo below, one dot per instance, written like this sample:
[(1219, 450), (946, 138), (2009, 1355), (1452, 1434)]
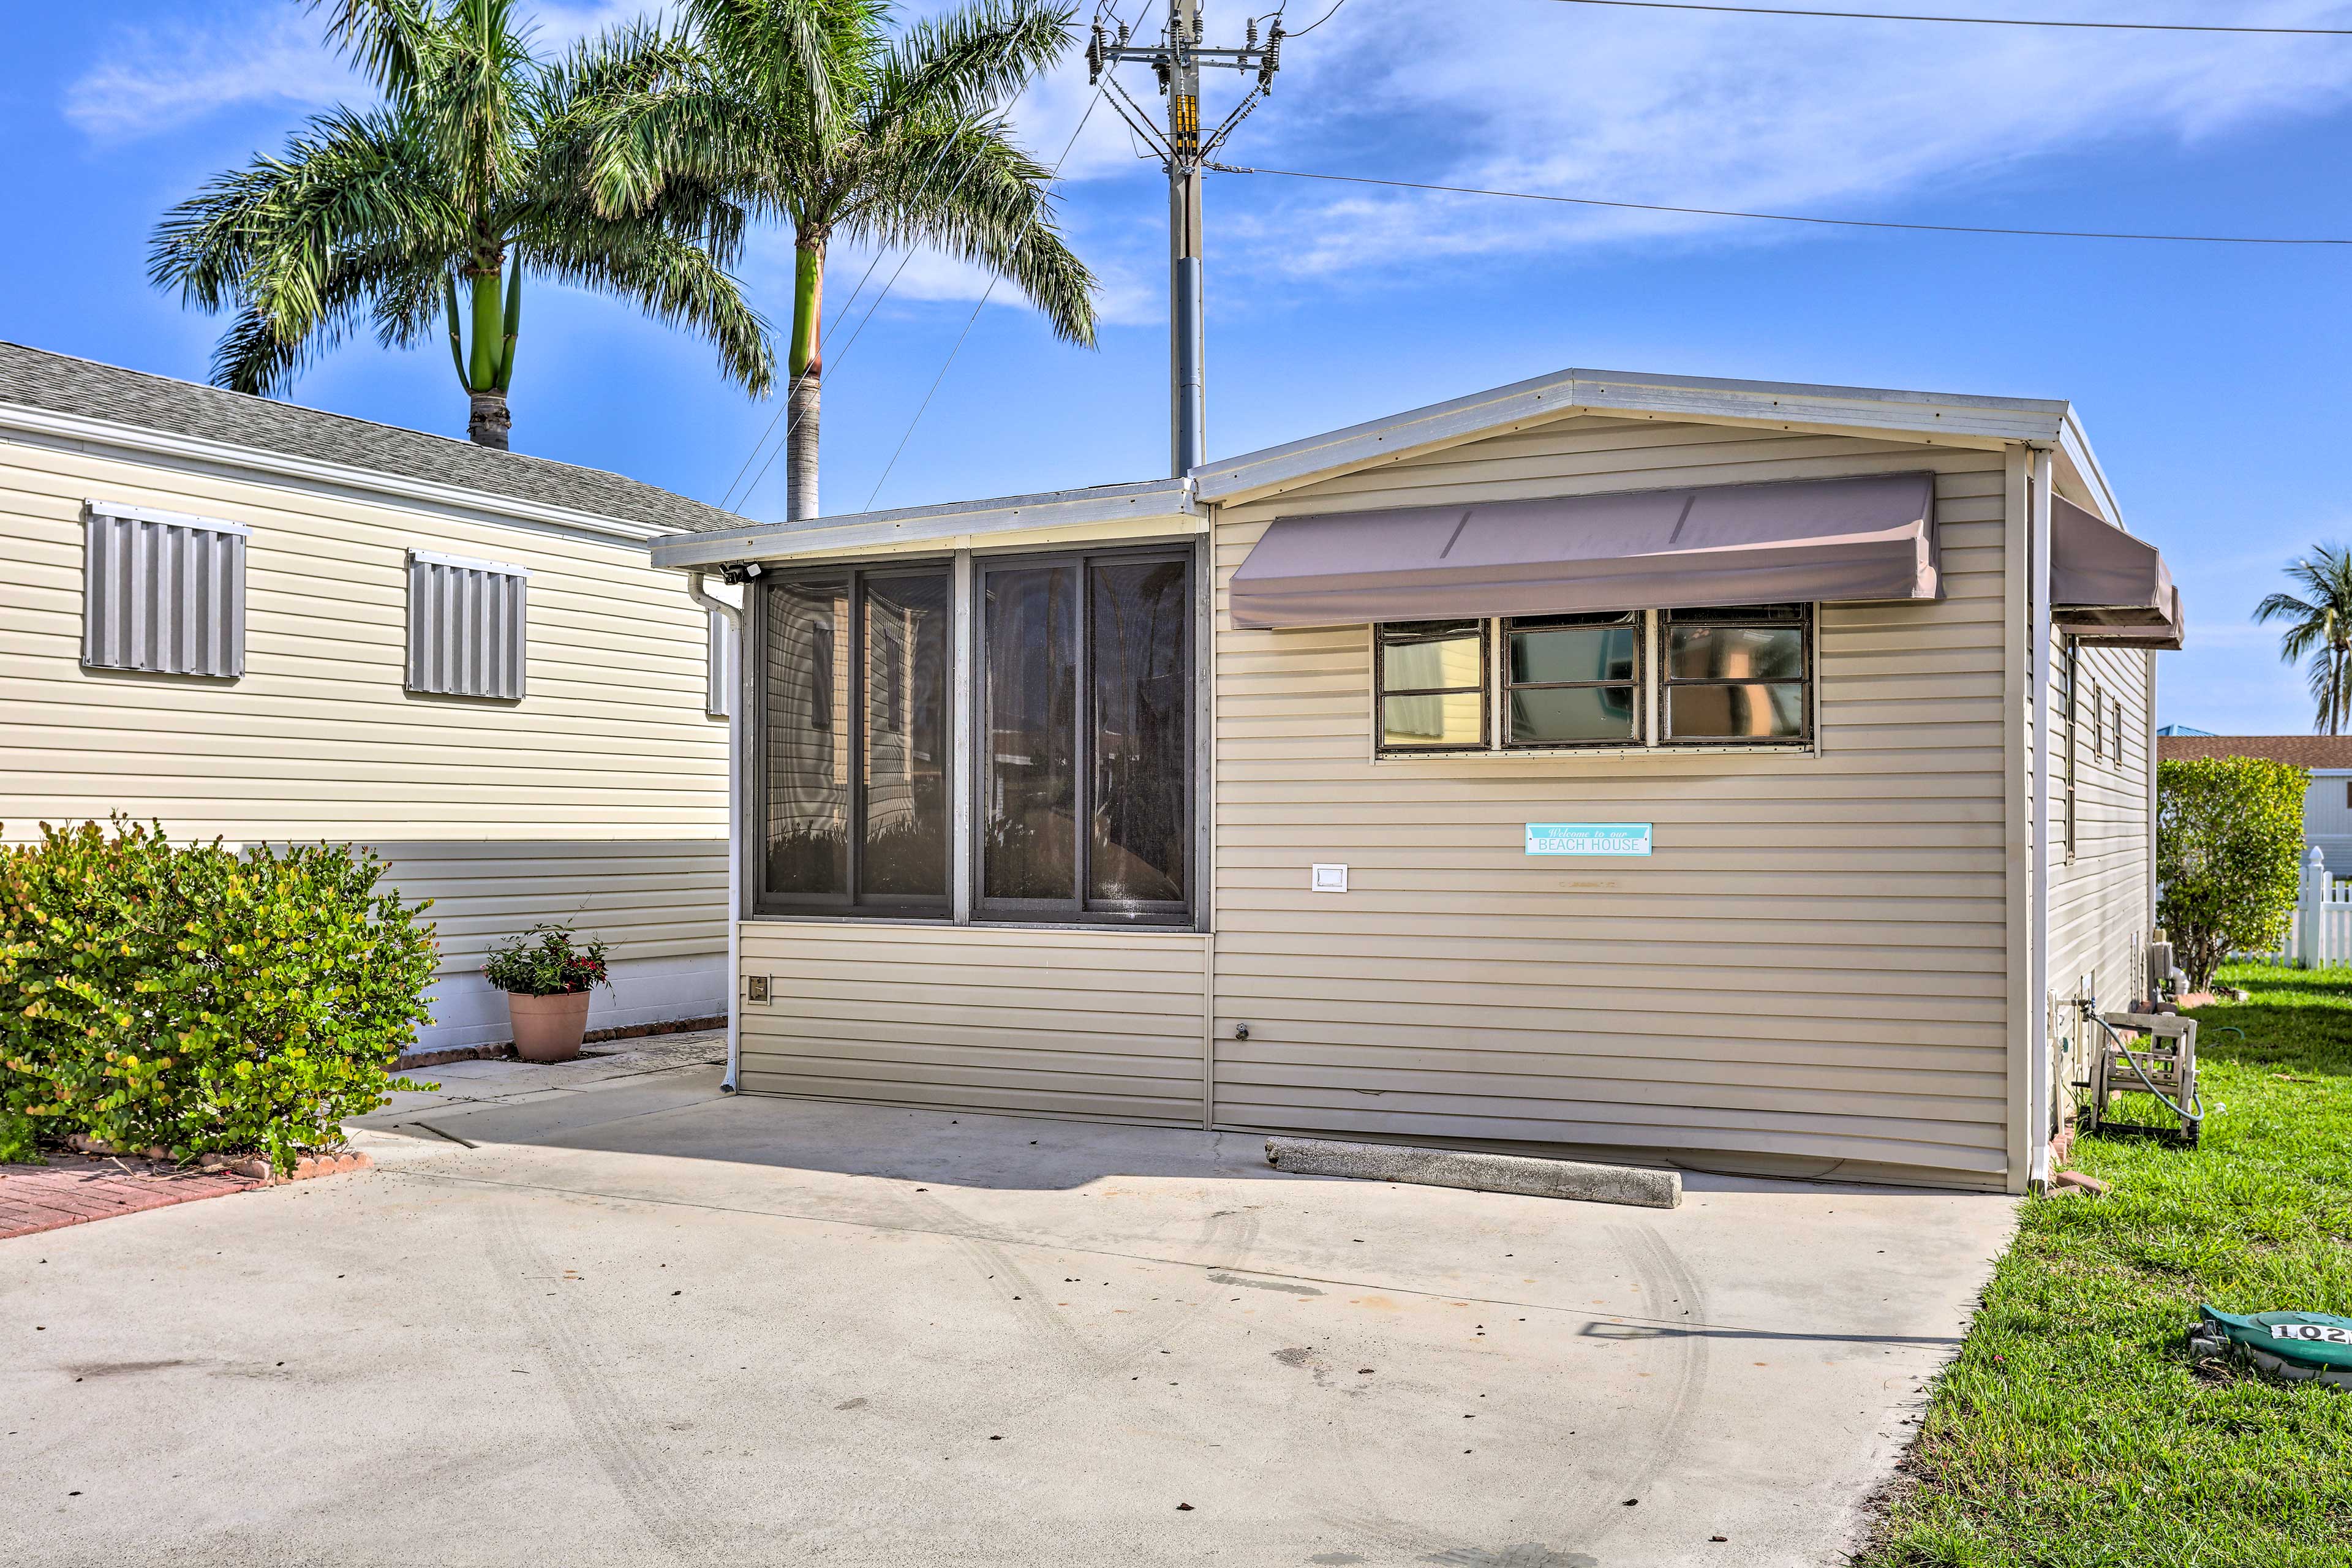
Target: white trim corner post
[(2041, 1087), (733, 615)]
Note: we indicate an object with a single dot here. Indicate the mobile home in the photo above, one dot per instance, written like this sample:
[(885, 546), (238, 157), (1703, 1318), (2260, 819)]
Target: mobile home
[(1647, 767), (261, 622)]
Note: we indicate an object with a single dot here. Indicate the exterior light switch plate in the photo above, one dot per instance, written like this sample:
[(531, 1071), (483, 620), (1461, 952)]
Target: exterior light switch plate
[(755, 988), (1330, 880)]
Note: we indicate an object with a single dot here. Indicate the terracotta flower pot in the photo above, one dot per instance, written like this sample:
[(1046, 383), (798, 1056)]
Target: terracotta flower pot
[(547, 1028)]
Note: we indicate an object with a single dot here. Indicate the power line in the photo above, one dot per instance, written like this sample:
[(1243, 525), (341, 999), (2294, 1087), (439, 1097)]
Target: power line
[(974, 317), (1970, 21), (1786, 217), (1320, 20)]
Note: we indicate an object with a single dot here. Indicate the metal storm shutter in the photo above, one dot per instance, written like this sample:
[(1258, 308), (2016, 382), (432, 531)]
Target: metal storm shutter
[(465, 626), (163, 591), (726, 650)]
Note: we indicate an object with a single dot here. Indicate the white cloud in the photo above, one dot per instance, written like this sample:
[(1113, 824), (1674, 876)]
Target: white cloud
[(1762, 113), (153, 80), (148, 80)]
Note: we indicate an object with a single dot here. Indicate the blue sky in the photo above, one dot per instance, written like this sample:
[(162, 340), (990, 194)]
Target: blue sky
[(2211, 378)]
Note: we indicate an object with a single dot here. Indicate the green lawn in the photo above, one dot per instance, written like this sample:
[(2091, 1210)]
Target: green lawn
[(2071, 1429)]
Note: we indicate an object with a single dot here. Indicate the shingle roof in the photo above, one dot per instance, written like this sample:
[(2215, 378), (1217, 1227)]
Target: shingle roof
[(2302, 750), (60, 384)]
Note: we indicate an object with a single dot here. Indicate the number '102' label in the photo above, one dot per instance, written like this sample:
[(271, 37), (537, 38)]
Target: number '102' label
[(2321, 1333)]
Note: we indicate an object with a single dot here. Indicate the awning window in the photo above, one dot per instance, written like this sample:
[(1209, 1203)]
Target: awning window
[(1821, 540)]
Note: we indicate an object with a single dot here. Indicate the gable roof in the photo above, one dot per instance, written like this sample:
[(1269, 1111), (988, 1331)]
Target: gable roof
[(2327, 752), (34, 382), (1932, 417)]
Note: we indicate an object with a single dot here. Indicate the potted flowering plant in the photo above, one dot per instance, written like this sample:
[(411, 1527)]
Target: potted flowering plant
[(547, 974)]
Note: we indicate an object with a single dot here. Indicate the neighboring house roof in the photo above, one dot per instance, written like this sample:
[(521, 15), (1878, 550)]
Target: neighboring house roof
[(1957, 419), (2182, 730), (2302, 750), (54, 383)]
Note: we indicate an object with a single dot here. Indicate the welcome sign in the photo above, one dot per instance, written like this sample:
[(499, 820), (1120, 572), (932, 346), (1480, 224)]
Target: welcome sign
[(1588, 839)]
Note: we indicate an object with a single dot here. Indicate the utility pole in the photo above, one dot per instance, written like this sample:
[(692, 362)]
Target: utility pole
[(1177, 59)]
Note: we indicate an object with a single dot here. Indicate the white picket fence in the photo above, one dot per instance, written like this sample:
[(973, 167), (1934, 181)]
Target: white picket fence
[(2321, 932)]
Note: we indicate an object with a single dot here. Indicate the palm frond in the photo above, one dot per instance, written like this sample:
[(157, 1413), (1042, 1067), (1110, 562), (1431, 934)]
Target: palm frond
[(668, 278), (969, 61), (969, 192)]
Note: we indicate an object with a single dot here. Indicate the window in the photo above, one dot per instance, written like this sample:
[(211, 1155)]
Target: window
[(854, 743), (467, 636), (1086, 738), (1080, 780), (2098, 721), (162, 592), (2116, 727), (1572, 681), (1433, 685), (1632, 679), (2070, 709), (1737, 674)]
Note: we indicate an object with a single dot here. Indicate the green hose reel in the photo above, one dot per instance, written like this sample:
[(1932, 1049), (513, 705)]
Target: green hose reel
[(2297, 1346)]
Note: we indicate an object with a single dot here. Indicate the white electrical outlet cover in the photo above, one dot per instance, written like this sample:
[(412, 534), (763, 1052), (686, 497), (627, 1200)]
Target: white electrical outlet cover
[(1329, 880)]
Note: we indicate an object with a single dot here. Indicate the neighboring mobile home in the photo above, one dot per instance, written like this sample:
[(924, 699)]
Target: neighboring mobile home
[(267, 623), (2327, 804), (1636, 766)]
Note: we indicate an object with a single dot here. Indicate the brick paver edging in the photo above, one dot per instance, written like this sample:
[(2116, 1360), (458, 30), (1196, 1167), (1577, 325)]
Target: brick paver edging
[(74, 1189)]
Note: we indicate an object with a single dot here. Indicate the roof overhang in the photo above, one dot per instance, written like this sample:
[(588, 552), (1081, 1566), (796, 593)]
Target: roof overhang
[(45, 426), (1154, 507), (1930, 418)]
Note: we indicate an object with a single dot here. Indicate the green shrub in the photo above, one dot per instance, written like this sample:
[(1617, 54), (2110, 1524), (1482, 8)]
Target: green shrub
[(2228, 856), (197, 998), (548, 960)]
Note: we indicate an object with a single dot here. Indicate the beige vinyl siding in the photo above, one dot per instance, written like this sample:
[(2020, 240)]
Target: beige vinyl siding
[(649, 898), (2099, 896), (1097, 1023), (318, 738), (1811, 966)]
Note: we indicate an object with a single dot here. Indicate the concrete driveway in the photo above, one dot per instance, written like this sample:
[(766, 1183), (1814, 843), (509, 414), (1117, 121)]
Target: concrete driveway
[(640, 1323)]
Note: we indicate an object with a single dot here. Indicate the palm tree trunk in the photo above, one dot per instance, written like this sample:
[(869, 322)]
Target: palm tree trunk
[(490, 421), (807, 368)]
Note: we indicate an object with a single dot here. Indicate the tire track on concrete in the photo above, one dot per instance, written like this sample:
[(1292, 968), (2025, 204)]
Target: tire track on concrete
[(666, 1498), (1588, 1519)]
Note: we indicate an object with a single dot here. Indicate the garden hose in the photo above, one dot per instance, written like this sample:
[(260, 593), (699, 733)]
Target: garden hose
[(2196, 1117)]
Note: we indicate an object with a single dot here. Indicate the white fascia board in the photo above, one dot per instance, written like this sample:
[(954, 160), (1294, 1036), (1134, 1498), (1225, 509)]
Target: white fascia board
[(1902, 416), (468, 563), (955, 526), (138, 441), (2079, 470), (174, 519)]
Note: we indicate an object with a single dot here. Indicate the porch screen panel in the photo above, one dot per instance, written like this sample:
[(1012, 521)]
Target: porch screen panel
[(1029, 779), (1139, 673), (905, 810), (806, 740)]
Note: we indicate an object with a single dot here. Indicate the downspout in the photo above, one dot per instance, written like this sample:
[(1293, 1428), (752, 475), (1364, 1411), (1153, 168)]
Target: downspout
[(2040, 1091), (734, 618)]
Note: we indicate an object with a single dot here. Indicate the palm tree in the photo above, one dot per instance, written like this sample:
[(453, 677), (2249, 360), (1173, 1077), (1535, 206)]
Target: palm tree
[(809, 112), (2320, 624), (472, 170)]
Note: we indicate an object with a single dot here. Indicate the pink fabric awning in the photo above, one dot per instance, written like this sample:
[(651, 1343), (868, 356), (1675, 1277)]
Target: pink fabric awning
[(2101, 576), (1813, 540)]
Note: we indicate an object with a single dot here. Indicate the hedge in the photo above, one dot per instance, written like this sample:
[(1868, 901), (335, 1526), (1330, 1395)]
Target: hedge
[(199, 997)]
